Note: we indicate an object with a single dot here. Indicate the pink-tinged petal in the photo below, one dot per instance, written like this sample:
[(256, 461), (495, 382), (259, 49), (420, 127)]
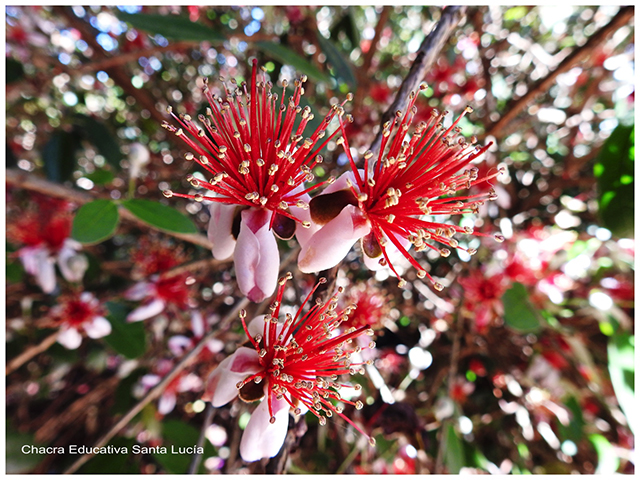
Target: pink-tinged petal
[(341, 182), (139, 291), (221, 384), (190, 383), (257, 259), (394, 254), (70, 338), (166, 403), (178, 344), (99, 327), (72, 265), (219, 231), (332, 242), (214, 345), (147, 311), (197, 324), (256, 327), (261, 438), (150, 380), (37, 262), (304, 215)]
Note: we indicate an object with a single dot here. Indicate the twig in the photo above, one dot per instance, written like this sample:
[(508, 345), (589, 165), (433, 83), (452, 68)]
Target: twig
[(160, 387), (195, 463), (516, 106), (31, 352), (30, 182), (382, 21), (427, 53)]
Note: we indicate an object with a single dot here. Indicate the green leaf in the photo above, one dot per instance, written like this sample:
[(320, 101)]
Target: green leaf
[(341, 66), (128, 339), (101, 176), (286, 56), (453, 455), (113, 463), (99, 135), (621, 369), (59, 155), (160, 216), (519, 314), (608, 461), (180, 434), (515, 13), (17, 461), (95, 221), (15, 70), (614, 169), (573, 431), (173, 27)]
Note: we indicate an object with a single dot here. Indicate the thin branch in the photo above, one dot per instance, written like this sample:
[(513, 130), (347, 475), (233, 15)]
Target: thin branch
[(31, 352), (427, 53), (30, 182), (195, 463), (382, 21), (544, 84), (156, 391)]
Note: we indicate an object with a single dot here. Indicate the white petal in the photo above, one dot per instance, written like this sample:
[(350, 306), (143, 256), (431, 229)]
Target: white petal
[(166, 403), (150, 380), (178, 344), (72, 265), (257, 259), (394, 254), (37, 262), (147, 311), (304, 215), (70, 338), (221, 384), (139, 291), (329, 245), (197, 324), (99, 327), (219, 231), (190, 383), (31, 258), (261, 438)]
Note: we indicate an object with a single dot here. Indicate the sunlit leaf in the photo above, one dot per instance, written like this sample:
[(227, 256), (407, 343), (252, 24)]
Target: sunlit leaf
[(614, 170), (95, 221), (519, 314), (173, 27), (160, 216), (288, 57), (621, 369), (608, 461), (453, 454)]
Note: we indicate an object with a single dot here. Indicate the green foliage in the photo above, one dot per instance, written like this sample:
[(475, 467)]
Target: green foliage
[(18, 462), (454, 452), (59, 155), (621, 369), (519, 314), (173, 27), (179, 434), (160, 216), (285, 55), (95, 221), (99, 135), (615, 173), (15, 70), (128, 339), (608, 461), (101, 176), (342, 67), (115, 463)]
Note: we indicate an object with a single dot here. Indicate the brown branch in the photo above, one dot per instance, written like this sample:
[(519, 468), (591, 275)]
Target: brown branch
[(515, 106), (31, 352), (30, 182), (382, 21), (427, 53)]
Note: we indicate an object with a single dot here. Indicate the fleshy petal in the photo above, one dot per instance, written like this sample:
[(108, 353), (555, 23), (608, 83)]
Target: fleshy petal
[(341, 182), (221, 384), (99, 327), (219, 231), (257, 259), (166, 403), (72, 265), (261, 438), (147, 311), (70, 338), (37, 262), (178, 344), (332, 242)]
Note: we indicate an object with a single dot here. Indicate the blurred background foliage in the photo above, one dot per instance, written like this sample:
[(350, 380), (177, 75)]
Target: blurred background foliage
[(523, 364)]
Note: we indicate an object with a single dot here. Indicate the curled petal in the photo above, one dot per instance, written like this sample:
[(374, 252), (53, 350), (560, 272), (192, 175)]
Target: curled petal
[(261, 438), (221, 384), (257, 259), (147, 311), (220, 230), (70, 338), (166, 403), (332, 242), (72, 265), (98, 327)]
